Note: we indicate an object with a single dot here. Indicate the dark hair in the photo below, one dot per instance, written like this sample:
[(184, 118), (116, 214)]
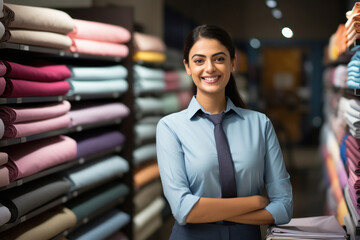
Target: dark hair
[(215, 32)]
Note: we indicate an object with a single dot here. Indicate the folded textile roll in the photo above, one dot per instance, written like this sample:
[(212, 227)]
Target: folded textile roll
[(184, 98), (39, 38), (32, 195), (4, 157), (117, 236), (185, 81), (354, 10), (40, 18), (144, 132), (2, 85), (2, 128), (5, 215), (145, 216), (148, 106), (144, 153), (24, 88), (102, 227), (4, 176), (354, 142), (42, 227), (97, 87), (149, 43), (97, 31), (142, 86), (38, 155), (98, 73), (34, 112), (147, 194), (44, 73), (170, 102), (172, 80), (2, 31), (1, 8), (148, 73), (87, 204), (99, 48), (146, 174), (25, 129), (8, 16), (90, 113), (97, 140), (351, 120), (152, 57), (149, 229), (96, 173)]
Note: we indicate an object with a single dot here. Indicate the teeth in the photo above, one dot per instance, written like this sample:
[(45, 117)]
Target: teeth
[(211, 79)]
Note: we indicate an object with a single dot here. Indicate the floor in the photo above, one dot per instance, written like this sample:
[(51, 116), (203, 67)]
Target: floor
[(305, 167)]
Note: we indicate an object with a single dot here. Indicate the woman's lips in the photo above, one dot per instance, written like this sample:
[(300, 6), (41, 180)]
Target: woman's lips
[(210, 79)]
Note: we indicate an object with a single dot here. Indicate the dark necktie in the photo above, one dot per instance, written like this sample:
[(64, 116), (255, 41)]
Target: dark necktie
[(226, 165)]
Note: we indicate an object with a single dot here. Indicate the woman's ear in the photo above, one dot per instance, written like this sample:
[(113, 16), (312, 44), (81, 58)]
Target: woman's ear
[(233, 64), (187, 68)]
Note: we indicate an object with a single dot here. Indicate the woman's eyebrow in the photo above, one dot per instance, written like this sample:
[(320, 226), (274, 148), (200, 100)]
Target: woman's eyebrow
[(200, 55)]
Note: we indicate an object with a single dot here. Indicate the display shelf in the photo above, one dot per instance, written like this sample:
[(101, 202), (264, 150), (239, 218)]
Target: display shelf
[(62, 167), (58, 202), (79, 128), (56, 52)]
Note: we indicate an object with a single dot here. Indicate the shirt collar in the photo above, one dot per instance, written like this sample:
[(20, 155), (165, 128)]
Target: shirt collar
[(194, 107)]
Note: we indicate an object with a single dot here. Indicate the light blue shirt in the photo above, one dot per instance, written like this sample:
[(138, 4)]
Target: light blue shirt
[(189, 168)]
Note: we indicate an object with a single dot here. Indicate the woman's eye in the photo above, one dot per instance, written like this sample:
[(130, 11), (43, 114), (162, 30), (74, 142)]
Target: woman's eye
[(198, 61), (220, 59)]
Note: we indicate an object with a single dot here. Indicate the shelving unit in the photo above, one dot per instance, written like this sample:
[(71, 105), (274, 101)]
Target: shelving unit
[(122, 16)]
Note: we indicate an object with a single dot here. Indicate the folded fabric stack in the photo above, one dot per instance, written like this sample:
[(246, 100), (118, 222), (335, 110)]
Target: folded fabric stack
[(19, 80), (352, 116), (148, 48), (321, 227), (40, 26), (20, 121), (95, 38), (6, 17), (353, 73), (352, 25), (4, 171), (84, 113), (37, 155), (337, 43), (98, 80)]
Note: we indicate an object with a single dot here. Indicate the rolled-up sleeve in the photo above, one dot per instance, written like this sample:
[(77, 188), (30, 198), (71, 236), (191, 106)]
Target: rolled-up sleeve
[(277, 179), (173, 175)]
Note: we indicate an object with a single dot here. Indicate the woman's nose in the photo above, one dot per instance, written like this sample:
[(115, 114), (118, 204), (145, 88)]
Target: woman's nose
[(210, 66)]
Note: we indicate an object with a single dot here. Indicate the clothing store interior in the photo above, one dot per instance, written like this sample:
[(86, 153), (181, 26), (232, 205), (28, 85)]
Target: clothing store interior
[(85, 83)]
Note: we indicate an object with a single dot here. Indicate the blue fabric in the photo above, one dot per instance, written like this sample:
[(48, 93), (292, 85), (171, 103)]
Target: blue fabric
[(352, 84), (188, 163), (343, 149), (97, 87), (98, 73), (213, 231)]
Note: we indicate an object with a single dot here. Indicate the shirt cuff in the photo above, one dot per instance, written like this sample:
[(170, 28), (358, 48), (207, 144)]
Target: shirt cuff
[(279, 212), (186, 205)]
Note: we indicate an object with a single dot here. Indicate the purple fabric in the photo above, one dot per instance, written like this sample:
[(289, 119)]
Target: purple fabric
[(91, 142), (86, 113)]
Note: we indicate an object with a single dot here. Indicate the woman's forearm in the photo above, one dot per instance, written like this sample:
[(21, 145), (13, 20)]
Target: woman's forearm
[(257, 217), (217, 209)]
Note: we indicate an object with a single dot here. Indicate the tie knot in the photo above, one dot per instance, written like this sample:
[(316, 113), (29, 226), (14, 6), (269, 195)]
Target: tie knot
[(215, 118)]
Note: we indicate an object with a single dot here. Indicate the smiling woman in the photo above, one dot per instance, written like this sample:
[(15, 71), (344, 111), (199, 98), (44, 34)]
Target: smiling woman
[(216, 156)]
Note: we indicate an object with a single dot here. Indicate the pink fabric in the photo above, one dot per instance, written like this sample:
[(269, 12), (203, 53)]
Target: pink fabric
[(4, 176), (3, 69), (98, 31), (184, 98), (48, 73), (3, 158), (355, 153), (2, 85), (352, 167), (148, 43), (38, 155), (35, 112), (17, 130), (95, 113), (171, 80), (354, 142), (99, 48), (24, 88), (354, 180)]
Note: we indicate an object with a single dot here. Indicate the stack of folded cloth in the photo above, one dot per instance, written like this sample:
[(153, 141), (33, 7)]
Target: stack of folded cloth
[(95, 38), (352, 25), (20, 121), (19, 80), (353, 71), (352, 117), (98, 80), (36, 156), (39, 26), (148, 48), (337, 43), (6, 17), (148, 80)]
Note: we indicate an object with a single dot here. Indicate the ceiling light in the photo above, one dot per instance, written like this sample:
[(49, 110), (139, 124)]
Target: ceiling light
[(271, 3), (255, 43), (287, 32), (276, 13)]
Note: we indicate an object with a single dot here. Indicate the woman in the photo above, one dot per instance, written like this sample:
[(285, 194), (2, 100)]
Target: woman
[(189, 161)]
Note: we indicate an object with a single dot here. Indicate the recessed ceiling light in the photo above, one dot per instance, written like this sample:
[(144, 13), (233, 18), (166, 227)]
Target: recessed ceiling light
[(255, 43), (287, 32), (271, 3), (276, 13)]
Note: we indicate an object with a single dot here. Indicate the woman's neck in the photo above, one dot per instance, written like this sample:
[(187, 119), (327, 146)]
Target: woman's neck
[(212, 103)]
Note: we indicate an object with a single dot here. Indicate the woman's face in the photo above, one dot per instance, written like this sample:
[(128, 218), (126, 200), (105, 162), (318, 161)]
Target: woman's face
[(210, 66)]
